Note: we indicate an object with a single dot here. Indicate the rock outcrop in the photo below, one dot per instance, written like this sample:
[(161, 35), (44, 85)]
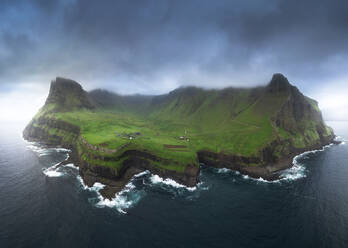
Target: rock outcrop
[(297, 116), (66, 94)]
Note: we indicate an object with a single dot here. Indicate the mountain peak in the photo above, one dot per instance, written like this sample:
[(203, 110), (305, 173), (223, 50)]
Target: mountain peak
[(65, 83), (67, 94), (279, 83)]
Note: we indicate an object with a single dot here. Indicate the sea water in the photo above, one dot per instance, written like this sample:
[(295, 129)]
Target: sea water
[(43, 205)]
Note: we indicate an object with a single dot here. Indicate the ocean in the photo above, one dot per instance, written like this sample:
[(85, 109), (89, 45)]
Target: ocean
[(41, 206)]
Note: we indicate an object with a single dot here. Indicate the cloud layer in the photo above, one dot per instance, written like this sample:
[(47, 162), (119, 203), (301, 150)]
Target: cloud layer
[(151, 47)]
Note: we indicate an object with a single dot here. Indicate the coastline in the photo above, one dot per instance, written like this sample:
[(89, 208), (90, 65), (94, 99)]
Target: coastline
[(269, 172), (91, 174)]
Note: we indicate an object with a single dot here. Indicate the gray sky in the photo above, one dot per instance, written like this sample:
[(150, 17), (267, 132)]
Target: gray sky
[(152, 47)]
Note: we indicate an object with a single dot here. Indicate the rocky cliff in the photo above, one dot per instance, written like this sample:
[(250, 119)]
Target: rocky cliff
[(45, 127), (291, 122), (65, 95)]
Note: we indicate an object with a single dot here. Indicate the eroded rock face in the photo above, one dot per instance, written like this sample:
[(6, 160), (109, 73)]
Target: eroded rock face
[(297, 111), (115, 180), (294, 115), (279, 83), (67, 94)]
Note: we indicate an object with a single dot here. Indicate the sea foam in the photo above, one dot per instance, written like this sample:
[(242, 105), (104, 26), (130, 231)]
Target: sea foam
[(223, 170), (155, 179), (298, 170), (41, 150), (123, 200), (53, 171), (71, 166), (341, 139)]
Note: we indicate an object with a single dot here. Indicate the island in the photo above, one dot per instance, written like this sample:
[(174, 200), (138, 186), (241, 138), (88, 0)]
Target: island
[(256, 131)]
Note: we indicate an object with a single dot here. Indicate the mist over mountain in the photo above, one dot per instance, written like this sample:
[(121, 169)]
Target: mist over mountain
[(147, 47)]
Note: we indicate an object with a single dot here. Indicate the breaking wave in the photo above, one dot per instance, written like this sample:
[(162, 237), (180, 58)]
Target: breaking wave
[(223, 170), (123, 200), (44, 151), (142, 174), (341, 139), (226, 171), (260, 179), (71, 166), (128, 196), (84, 186), (133, 192), (53, 171), (297, 171), (40, 150), (155, 179)]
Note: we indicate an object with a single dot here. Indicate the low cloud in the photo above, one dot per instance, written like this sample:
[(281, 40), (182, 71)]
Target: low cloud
[(152, 47)]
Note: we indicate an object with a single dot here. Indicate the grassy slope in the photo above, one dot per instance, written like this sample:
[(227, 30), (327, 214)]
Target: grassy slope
[(233, 121)]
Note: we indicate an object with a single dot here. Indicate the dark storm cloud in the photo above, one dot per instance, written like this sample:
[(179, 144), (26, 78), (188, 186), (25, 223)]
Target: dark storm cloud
[(153, 46)]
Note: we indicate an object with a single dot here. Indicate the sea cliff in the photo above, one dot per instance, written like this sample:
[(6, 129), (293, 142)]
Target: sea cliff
[(255, 131)]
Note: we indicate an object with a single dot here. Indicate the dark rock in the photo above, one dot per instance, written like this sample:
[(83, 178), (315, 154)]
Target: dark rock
[(279, 83), (67, 94)]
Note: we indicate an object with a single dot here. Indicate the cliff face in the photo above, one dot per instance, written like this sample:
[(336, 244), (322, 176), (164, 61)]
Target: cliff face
[(298, 127), (299, 115), (54, 132), (297, 110), (278, 117), (66, 94)]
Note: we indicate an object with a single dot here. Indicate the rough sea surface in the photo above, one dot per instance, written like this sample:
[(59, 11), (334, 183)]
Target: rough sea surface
[(45, 206)]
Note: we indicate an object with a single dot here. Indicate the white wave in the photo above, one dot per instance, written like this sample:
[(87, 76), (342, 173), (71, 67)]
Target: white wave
[(298, 170), (260, 179), (121, 201), (79, 178), (155, 179), (37, 149), (59, 149), (53, 171), (223, 170), (96, 187), (295, 172), (226, 170), (202, 186), (43, 151), (142, 174), (341, 139), (246, 177), (71, 166)]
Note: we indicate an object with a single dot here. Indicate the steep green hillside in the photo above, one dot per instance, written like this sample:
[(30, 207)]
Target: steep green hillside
[(235, 127)]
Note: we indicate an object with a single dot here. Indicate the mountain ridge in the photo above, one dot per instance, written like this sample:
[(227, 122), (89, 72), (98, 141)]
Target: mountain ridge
[(256, 131)]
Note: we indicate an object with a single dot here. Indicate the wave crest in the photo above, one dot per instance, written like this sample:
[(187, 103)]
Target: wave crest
[(155, 179), (123, 200)]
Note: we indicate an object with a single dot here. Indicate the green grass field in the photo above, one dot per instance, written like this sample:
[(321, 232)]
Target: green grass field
[(244, 135), (174, 127)]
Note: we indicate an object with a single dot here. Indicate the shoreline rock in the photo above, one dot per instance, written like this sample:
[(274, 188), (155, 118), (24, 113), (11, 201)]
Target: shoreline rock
[(137, 162)]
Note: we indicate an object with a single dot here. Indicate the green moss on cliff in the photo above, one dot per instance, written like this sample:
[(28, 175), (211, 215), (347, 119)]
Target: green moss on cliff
[(174, 127)]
